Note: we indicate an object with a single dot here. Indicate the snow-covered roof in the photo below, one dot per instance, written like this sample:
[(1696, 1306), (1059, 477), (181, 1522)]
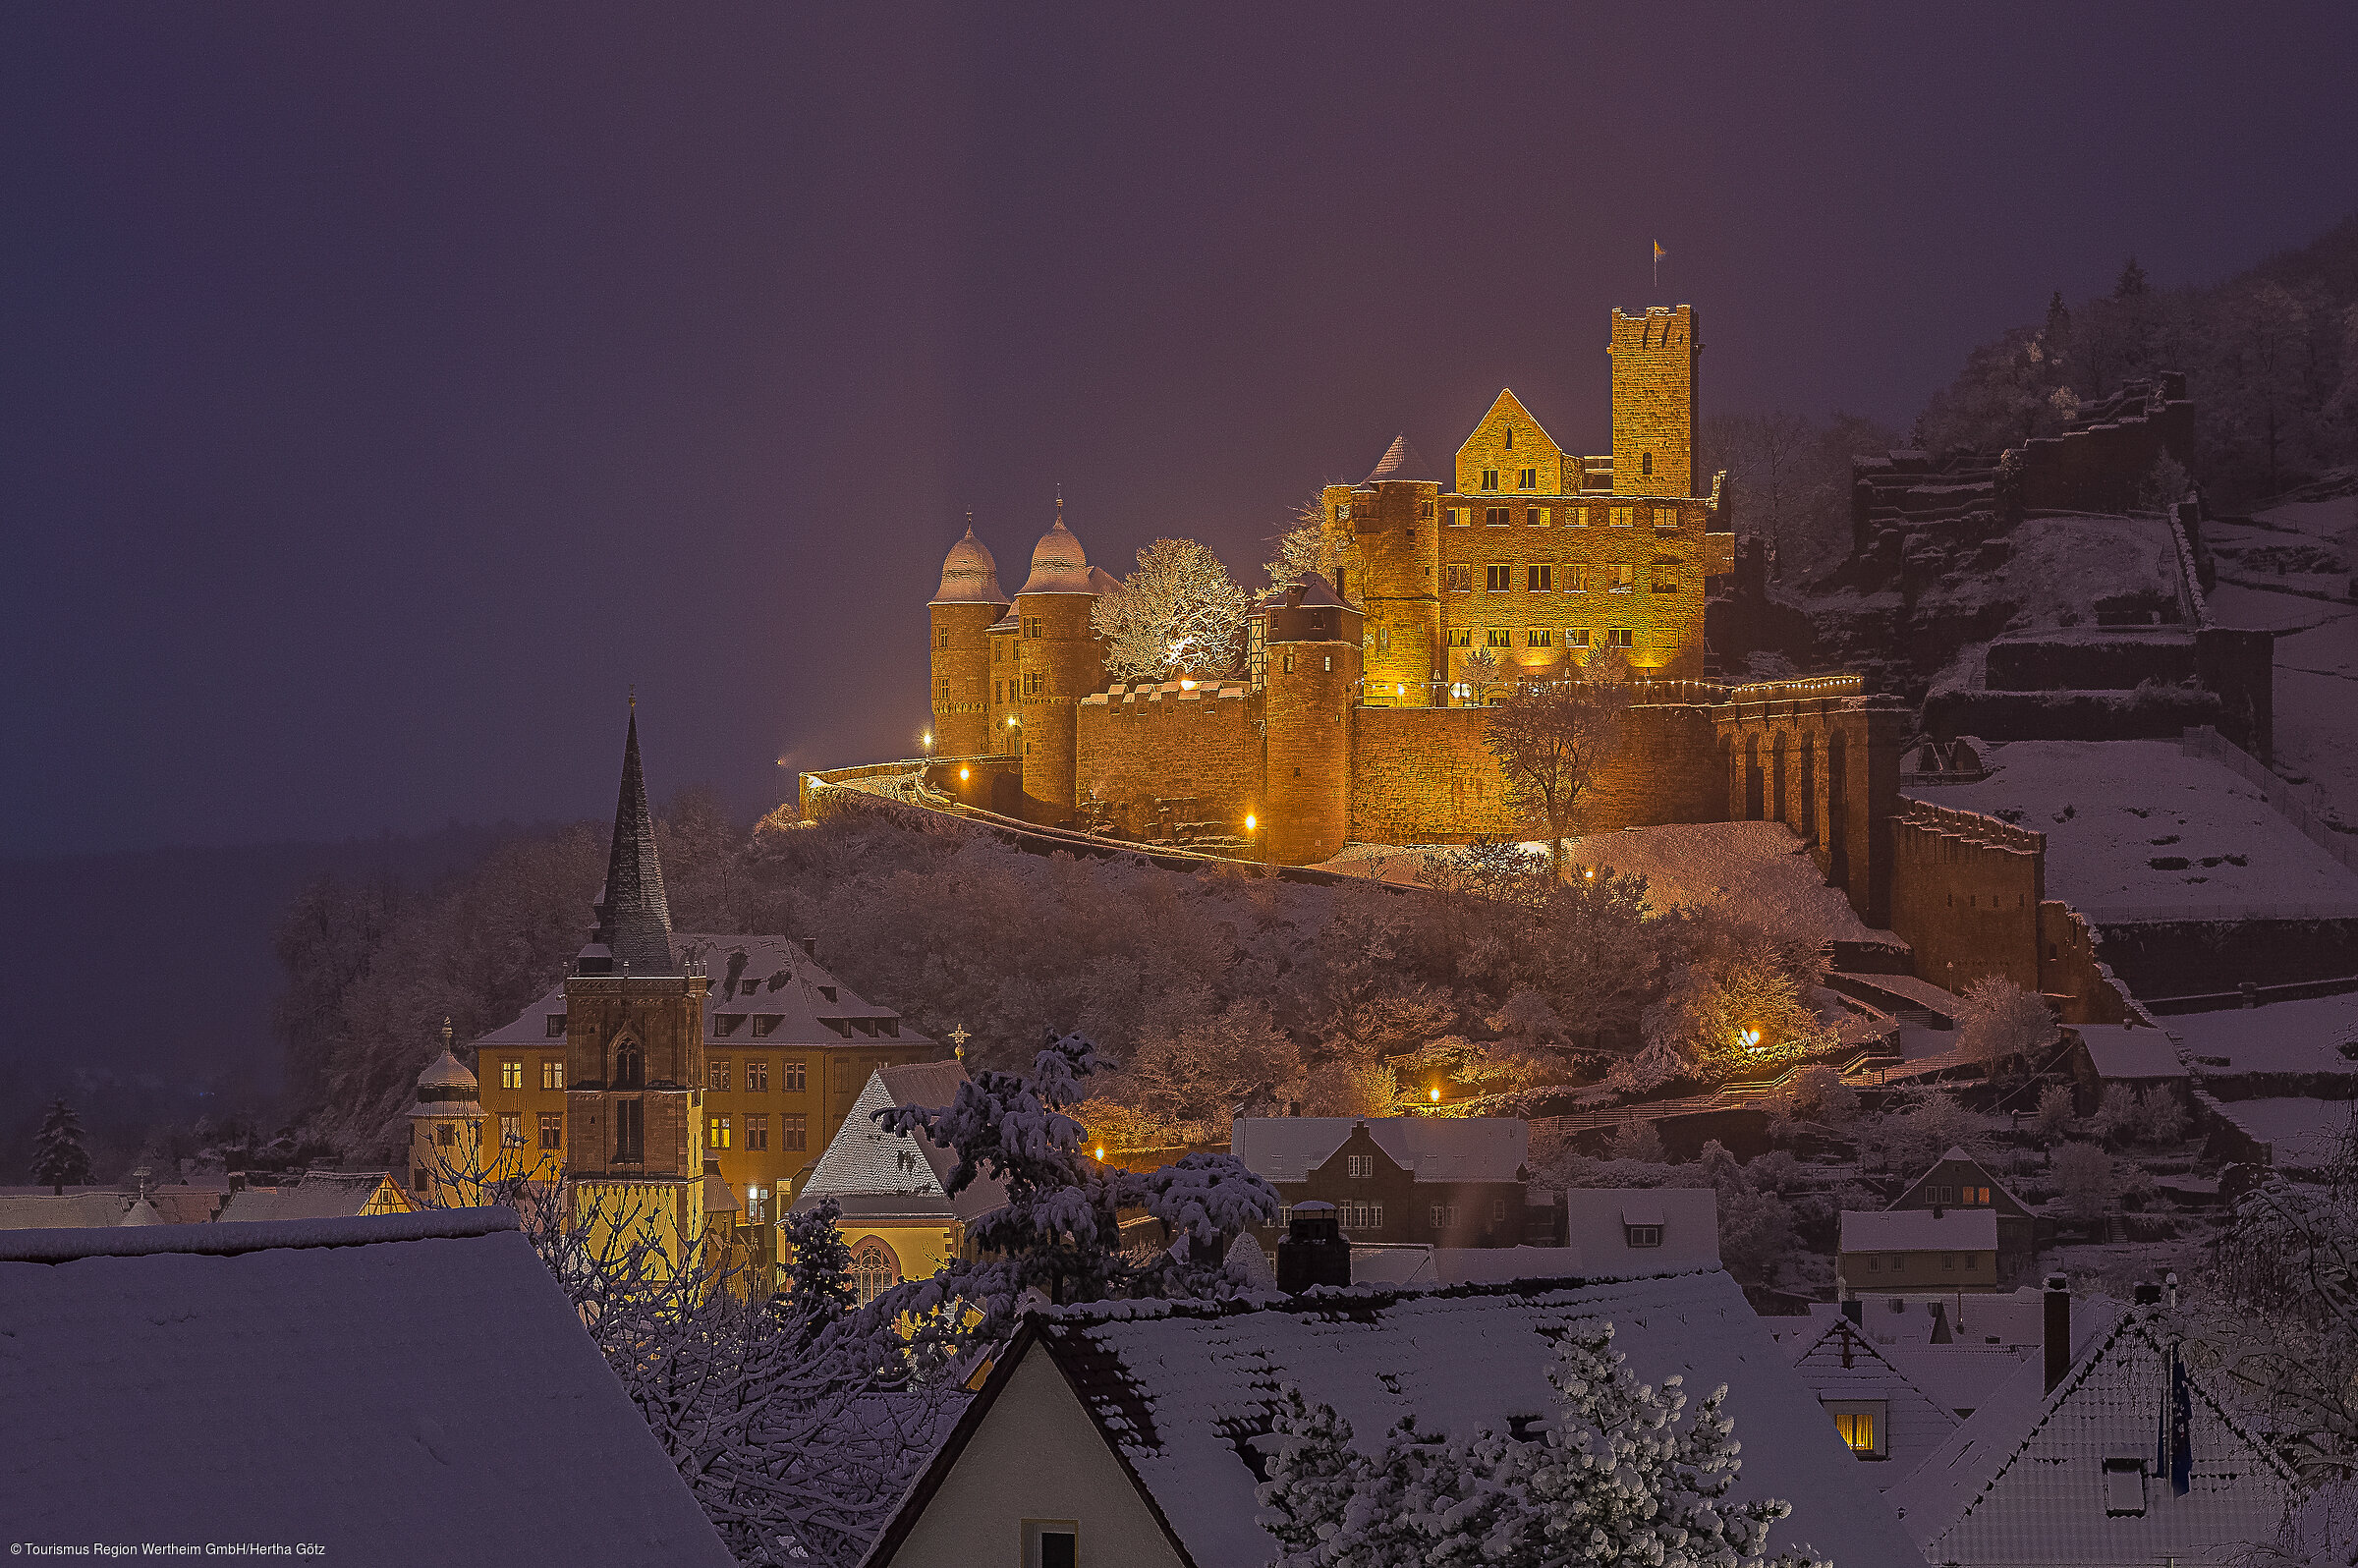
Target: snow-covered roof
[(2299, 1036), (319, 1195), (445, 1073), (142, 1212), (753, 979), (969, 576), (2083, 1475), (1843, 1363), (875, 1175), (2142, 831), (2303, 1133), (1172, 1388), (1893, 1230), (1437, 1148), (74, 1210), (1058, 563), (2117, 1051), (1402, 461), (1596, 1221), (188, 1386)]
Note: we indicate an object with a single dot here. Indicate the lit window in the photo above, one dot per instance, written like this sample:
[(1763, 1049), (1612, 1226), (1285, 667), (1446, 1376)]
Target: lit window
[(1665, 580), (716, 1133), (756, 1132), (1359, 1165), (1857, 1427), (1460, 516), (1576, 517), (511, 1129), (1624, 517), (552, 1072), (553, 1130), (1576, 580), (1576, 637), (1625, 577), (874, 1271), (1461, 637), (1500, 578), (1502, 637), (1665, 519), (1540, 577), (511, 1074), (1541, 637), (941, 638)]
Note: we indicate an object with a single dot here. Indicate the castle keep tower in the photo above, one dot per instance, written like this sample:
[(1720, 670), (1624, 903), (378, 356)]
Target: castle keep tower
[(1655, 379), (963, 612), (1313, 645), (633, 1041), (1058, 662)]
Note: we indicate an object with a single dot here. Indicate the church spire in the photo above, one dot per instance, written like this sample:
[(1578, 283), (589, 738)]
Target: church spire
[(634, 919)]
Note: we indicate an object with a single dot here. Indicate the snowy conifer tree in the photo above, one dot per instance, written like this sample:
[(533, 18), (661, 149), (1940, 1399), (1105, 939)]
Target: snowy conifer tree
[(59, 1157), (819, 1284)]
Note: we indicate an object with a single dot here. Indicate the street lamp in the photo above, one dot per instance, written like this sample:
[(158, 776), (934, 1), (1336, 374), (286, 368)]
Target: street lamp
[(1435, 1095)]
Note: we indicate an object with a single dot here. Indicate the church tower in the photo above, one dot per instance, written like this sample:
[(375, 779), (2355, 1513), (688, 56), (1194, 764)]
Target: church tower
[(634, 1043), (963, 612)]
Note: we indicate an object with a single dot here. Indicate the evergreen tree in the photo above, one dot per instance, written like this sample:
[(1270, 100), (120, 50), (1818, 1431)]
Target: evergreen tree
[(2132, 281), (818, 1272), (59, 1157)]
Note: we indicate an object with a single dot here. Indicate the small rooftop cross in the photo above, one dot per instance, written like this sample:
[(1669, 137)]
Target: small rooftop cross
[(958, 1039)]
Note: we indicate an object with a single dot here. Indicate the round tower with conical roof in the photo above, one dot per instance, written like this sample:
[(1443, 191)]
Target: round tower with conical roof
[(446, 1134), (1311, 639), (962, 612), (1059, 660)]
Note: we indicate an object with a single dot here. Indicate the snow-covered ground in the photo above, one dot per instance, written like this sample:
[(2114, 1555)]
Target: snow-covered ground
[(2140, 830), (2304, 1133), (2304, 1036), (1759, 869)]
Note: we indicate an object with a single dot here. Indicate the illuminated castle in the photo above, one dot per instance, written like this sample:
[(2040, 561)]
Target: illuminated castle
[(1357, 717)]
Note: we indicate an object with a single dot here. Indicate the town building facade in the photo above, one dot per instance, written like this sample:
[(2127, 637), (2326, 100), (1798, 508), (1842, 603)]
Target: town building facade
[(1438, 1180)]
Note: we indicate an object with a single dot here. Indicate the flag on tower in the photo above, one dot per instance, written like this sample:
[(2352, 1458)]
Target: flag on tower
[(1658, 254)]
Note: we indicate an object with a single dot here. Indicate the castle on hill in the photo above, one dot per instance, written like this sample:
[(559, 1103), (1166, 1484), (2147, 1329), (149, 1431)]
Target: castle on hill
[(1354, 717)]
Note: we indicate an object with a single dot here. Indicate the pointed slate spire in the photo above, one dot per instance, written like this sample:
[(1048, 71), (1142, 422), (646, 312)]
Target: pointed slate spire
[(634, 920)]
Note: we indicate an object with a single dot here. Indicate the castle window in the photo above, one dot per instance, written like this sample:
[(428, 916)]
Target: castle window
[(1424, 509), (552, 1072), (446, 1134), (756, 1075), (1501, 577), (1340, 575), (1329, 664), (1624, 515), (1030, 626), (1665, 580), (1499, 517), (790, 1077), (998, 652), (1383, 639), (630, 1132), (1289, 661), (553, 1130), (792, 1132), (718, 1068), (1576, 580), (1510, 438), (1358, 1166), (1540, 577), (630, 1066), (1502, 637), (511, 1129), (1646, 463), (1576, 517), (1535, 517), (511, 1074), (1625, 577), (756, 1132), (1617, 637), (941, 638), (1342, 514), (944, 695), (1460, 516), (1541, 637), (1461, 637), (1665, 519), (1461, 579), (1576, 637), (556, 1026), (1528, 479), (1490, 479), (716, 1133)]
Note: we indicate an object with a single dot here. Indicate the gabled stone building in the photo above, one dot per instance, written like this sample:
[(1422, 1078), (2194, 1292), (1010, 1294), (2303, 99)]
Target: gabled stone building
[(1958, 1181), (1447, 1181)]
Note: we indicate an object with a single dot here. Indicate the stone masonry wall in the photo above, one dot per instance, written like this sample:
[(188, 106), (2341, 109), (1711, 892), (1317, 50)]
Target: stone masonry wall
[(1655, 398), (1966, 895), (1139, 743)]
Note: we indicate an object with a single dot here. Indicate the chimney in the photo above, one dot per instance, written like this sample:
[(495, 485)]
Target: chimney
[(1313, 1252), (811, 947), (1936, 1210), (1856, 1310), (1940, 1330), (2058, 1329)]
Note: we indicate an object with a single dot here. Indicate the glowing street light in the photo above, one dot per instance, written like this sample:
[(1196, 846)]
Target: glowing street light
[(1101, 1152), (962, 775), (1435, 1095), (1249, 822)]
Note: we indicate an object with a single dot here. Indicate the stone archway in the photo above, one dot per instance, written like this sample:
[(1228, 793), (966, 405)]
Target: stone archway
[(1776, 779), (1808, 791)]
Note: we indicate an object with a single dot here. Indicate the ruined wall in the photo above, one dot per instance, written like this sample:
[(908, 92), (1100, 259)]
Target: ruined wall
[(1138, 744), (1966, 895), (2098, 464), (1425, 776), (2080, 985)]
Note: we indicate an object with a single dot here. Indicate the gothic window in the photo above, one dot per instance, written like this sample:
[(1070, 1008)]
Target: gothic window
[(874, 1271), (630, 1132), (630, 1064), (1510, 438)]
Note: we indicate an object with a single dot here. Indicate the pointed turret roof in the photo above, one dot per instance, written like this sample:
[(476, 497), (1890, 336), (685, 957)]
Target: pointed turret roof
[(969, 575), (634, 920), (1401, 461)]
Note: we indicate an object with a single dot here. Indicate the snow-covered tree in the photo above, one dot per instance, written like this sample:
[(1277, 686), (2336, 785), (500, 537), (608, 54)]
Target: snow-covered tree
[(2116, 1118), (1625, 1475), (1307, 550), (2055, 1112), (1998, 1022), (59, 1157), (2087, 1180), (1636, 1139), (1553, 739), (1179, 611), (817, 1290), (2160, 1118), (1060, 1231), (1479, 674)]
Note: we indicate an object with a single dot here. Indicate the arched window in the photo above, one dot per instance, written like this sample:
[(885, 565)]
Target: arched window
[(630, 1064), (874, 1271)]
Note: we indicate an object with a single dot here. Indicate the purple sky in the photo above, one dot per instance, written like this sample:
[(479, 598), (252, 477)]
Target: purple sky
[(383, 387)]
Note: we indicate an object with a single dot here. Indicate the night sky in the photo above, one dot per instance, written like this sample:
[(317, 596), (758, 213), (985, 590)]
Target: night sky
[(383, 388)]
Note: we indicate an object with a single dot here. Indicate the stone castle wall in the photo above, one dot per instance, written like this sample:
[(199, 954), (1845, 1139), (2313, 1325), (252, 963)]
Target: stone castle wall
[(1966, 895), (1138, 744)]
